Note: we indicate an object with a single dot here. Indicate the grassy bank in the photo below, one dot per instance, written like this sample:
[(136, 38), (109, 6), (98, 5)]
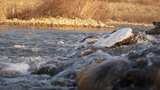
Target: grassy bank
[(67, 22), (78, 12), (54, 22)]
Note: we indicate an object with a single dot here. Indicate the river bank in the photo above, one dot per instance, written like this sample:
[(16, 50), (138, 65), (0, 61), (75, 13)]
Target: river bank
[(76, 24)]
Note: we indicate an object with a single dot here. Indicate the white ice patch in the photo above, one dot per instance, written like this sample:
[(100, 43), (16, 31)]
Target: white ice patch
[(114, 38)]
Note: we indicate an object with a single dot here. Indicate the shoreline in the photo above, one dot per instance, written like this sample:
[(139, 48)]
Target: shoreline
[(66, 24)]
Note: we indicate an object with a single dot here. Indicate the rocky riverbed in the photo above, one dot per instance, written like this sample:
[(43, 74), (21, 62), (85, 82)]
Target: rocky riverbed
[(55, 60)]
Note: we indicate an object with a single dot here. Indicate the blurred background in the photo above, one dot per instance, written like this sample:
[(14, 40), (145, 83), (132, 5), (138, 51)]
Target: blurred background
[(139, 11)]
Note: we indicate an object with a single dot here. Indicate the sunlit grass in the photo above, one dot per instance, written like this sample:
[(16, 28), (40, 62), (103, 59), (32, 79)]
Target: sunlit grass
[(78, 12), (52, 22)]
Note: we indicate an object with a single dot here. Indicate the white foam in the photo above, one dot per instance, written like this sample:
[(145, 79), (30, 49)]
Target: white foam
[(21, 68), (19, 46)]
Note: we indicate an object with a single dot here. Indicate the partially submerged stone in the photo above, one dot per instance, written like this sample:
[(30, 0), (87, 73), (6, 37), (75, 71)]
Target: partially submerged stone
[(155, 30), (89, 40), (49, 69), (136, 38), (116, 37), (156, 24)]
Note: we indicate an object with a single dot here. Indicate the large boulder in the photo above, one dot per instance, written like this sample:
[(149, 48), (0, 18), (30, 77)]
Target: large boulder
[(116, 37), (102, 76), (141, 73)]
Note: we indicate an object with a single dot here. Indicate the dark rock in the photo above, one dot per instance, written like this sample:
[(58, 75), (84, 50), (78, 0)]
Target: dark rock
[(102, 76), (156, 24), (155, 30), (136, 38), (141, 73), (143, 53), (48, 69), (62, 82)]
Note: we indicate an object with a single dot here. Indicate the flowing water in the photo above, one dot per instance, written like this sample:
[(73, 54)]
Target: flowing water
[(24, 51)]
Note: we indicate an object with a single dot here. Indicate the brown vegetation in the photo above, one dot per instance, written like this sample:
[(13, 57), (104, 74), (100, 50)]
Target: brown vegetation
[(141, 11)]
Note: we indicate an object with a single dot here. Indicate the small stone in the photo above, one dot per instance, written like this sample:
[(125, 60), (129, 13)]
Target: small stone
[(48, 69), (87, 52), (156, 24), (89, 40), (155, 30)]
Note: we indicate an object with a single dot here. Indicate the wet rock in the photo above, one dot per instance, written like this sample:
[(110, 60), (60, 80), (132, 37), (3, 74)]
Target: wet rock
[(54, 88), (116, 37), (62, 82), (87, 52), (134, 79), (154, 50), (89, 40), (156, 24), (46, 69), (102, 76), (13, 69), (49, 68), (155, 30), (141, 73), (138, 37)]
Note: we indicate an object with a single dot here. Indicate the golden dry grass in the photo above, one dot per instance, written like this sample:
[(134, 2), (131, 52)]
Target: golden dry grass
[(56, 22), (134, 11)]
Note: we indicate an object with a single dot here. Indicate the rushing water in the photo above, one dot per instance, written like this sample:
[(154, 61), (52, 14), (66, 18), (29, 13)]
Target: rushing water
[(23, 53)]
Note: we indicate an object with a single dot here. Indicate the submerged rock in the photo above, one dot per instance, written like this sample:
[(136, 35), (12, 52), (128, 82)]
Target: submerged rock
[(116, 37), (155, 30), (46, 69)]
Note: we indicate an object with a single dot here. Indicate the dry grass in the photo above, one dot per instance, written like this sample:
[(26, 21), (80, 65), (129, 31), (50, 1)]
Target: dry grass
[(135, 11), (144, 2), (56, 22)]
